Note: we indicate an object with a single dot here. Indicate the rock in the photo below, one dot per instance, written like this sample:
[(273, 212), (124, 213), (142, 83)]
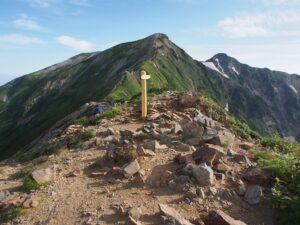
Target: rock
[(180, 182), (218, 217), (246, 145), (132, 221), (181, 147), (177, 128), (219, 176), (209, 154), (224, 138), (241, 188), (43, 176), (242, 159), (4, 195), (191, 193), (209, 134), (173, 215), (222, 167), (153, 145), (111, 131), (186, 100), (131, 168), (145, 152), (253, 194), (200, 193), (165, 139), (193, 141), (184, 159), (192, 130), (257, 176), (204, 120), (166, 177), (204, 175), (230, 152), (213, 190), (135, 213)]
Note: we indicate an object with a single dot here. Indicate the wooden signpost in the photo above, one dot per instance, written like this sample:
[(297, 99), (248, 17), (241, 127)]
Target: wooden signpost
[(144, 78)]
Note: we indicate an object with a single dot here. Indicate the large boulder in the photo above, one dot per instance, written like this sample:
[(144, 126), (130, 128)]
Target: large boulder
[(173, 215), (209, 154), (204, 175), (224, 138), (257, 176), (44, 175), (218, 217)]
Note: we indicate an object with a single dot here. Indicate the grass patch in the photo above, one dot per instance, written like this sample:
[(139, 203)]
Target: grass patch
[(30, 184), (12, 214), (59, 151), (110, 113), (282, 159), (87, 135), (84, 121)]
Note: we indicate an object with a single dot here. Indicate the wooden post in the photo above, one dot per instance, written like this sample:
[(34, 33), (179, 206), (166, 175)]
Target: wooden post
[(144, 78)]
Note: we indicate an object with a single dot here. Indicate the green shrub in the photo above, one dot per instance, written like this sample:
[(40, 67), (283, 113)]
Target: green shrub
[(278, 144), (75, 143), (87, 135), (30, 184), (59, 151), (282, 159)]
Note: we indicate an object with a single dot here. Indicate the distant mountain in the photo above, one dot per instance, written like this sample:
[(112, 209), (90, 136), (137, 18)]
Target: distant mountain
[(29, 105)]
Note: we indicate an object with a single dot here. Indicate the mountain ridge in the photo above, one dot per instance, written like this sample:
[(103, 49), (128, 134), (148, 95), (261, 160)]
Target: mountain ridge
[(36, 101)]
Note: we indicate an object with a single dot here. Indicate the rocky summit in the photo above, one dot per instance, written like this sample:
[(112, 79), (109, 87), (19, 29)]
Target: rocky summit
[(171, 168)]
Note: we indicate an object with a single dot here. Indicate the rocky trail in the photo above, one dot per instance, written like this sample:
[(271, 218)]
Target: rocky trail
[(177, 167)]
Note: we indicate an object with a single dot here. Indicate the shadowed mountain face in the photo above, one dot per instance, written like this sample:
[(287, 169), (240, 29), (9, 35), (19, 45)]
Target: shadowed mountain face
[(31, 104)]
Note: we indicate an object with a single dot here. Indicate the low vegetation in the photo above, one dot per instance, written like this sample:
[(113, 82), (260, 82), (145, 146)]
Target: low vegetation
[(110, 113), (12, 214), (282, 158), (29, 184)]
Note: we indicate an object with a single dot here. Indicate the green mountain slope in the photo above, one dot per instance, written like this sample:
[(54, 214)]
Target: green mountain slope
[(31, 104)]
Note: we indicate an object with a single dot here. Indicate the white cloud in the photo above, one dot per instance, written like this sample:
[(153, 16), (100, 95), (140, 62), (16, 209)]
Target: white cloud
[(28, 24), (56, 3), (42, 3), (261, 24), (281, 2), (76, 44), (19, 39)]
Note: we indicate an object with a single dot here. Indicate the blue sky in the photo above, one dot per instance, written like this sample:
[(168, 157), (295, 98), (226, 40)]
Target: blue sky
[(38, 33)]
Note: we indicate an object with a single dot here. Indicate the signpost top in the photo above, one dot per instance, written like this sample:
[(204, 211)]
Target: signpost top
[(144, 75)]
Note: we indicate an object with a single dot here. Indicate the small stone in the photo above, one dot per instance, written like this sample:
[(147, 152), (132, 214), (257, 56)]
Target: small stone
[(242, 159), (200, 193), (135, 213), (230, 152), (177, 128), (184, 147), (131, 168), (219, 176), (222, 167), (204, 175), (213, 190), (172, 214), (218, 217)]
